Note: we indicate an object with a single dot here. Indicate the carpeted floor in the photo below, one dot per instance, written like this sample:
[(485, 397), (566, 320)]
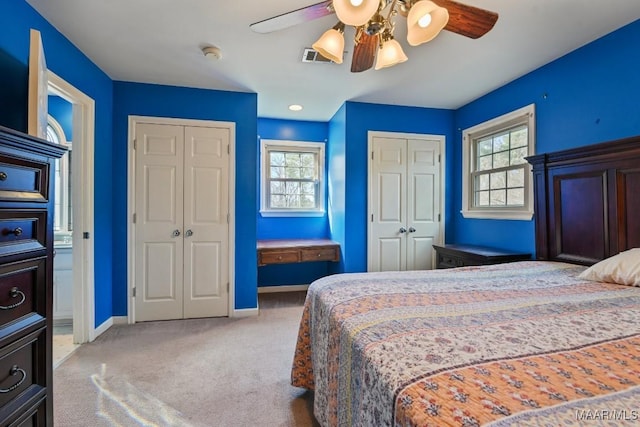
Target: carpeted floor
[(200, 372)]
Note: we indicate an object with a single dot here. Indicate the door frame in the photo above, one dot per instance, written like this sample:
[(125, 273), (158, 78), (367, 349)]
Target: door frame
[(373, 134), (83, 123), (131, 197)]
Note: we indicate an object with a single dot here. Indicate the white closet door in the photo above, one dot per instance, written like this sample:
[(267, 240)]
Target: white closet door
[(423, 202), (387, 245), (206, 235), (404, 205), (159, 219), (182, 230)]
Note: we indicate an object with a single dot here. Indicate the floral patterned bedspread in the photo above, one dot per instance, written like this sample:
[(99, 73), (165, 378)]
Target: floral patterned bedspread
[(525, 343)]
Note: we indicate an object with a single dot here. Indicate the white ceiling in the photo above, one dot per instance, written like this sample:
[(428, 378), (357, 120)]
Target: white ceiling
[(160, 41)]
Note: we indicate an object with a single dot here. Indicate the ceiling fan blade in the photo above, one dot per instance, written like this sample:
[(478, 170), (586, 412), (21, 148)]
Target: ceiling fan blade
[(364, 52), (468, 20), (295, 17)]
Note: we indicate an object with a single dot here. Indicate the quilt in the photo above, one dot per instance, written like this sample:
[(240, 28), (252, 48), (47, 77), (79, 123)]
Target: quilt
[(525, 343)]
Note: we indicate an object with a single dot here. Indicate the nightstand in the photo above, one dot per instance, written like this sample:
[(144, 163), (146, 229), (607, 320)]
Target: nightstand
[(450, 256)]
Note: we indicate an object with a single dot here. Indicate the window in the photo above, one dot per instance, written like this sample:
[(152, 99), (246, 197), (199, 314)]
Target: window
[(496, 177), (62, 221), (292, 178)]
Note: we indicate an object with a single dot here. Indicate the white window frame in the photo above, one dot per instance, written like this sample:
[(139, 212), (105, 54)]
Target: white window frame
[(63, 196), (523, 116), (267, 145)]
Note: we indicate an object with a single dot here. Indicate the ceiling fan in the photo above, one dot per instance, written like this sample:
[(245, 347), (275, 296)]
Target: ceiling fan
[(374, 24)]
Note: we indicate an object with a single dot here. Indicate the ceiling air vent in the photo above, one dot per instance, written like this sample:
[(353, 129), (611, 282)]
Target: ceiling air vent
[(311, 55)]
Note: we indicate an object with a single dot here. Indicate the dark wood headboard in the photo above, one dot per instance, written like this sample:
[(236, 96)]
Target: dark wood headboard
[(587, 201)]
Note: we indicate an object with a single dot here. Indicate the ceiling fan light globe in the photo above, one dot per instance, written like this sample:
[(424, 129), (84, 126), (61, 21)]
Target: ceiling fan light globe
[(424, 21), (355, 14), (330, 45), (417, 32), (390, 54)]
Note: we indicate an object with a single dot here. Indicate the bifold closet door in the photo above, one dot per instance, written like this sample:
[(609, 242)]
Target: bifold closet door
[(181, 227), (206, 230), (405, 203)]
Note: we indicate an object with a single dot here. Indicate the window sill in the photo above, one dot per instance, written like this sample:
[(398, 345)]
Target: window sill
[(276, 213), (496, 214)]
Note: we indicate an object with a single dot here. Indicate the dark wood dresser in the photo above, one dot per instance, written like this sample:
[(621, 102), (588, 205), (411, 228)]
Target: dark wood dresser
[(26, 278), (450, 256)]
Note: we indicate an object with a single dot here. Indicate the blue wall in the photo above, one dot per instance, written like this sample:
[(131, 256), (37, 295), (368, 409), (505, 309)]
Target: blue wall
[(291, 227), (337, 185), (64, 59), (588, 96), (351, 150), (200, 104)]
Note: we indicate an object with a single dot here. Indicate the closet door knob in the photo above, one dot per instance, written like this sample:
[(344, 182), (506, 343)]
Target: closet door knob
[(402, 230), (412, 230), (188, 233), (176, 233)]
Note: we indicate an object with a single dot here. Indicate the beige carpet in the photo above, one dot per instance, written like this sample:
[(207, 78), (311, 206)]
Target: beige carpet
[(201, 372)]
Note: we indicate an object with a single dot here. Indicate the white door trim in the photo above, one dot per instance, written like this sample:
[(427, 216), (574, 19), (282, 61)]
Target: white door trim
[(84, 329), (373, 134), (133, 120)]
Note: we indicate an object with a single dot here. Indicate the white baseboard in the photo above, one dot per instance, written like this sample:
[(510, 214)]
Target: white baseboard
[(120, 320), (113, 320), (283, 288), (102, 328), (245, 312)]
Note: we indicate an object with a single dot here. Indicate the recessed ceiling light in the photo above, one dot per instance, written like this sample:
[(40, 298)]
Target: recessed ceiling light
[(295, 107)]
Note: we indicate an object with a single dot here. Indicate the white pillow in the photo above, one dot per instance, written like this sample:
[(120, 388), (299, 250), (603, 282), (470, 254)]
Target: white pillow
[(623, 269)]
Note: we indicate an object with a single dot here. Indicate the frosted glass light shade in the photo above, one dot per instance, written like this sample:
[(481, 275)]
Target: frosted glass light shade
[(390, 54), (331, 45), (356, 13), (416, 33)]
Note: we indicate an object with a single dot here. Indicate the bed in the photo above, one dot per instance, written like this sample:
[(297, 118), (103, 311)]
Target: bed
[(526, 343)]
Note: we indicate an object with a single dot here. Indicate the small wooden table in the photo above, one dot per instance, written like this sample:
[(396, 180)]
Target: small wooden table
[(297, 250), (449, 256)]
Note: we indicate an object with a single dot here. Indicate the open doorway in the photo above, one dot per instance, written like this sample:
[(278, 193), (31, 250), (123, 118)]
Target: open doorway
[(73, 218), (59, 131)]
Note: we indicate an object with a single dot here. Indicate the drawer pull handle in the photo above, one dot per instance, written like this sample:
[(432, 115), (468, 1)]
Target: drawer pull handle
[(280, 258), (16, 231), (15, 369), (3, 176), (13, 293)]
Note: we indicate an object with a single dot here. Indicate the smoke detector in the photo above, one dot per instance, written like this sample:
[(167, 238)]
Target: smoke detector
[(212, 52)]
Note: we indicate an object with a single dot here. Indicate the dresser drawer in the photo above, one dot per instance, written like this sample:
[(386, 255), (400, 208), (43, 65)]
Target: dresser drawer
[(447, 261), (279, 257), (22, 179), (22, 231), (18, 289), (319, 254), (18, 367)]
